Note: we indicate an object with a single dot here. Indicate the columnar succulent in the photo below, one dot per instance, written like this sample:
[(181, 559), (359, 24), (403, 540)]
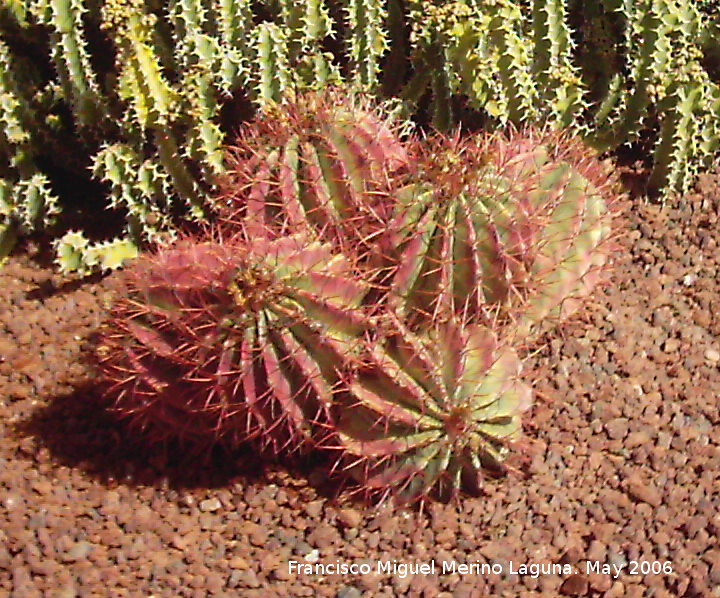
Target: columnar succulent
[(219, 341)]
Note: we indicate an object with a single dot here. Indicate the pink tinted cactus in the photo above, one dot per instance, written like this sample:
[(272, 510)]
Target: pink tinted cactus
[(217, 341), (567, 208), (515, 230), (372, 296), (427, 414), (321, 165)]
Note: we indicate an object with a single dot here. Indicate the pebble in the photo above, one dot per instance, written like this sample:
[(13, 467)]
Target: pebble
[(238, 562), (715, 574), (210, 504), (617, 428), (643, 491), (314, 508), (636, 439), (671, 345), (78, 552), (313, 556), (712, 355), (350, 517), (348, 592), (574, 585)]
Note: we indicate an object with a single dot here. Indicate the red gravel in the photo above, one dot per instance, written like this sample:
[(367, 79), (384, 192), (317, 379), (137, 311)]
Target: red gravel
[(624, 461)]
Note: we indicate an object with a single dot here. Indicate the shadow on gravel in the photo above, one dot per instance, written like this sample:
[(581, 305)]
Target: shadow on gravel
[(47, 288), (80, 433)]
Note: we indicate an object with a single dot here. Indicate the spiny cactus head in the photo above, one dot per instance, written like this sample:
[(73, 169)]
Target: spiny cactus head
[(561, 222), (514, 229), (220, 342), (320, 164), (430, 414)]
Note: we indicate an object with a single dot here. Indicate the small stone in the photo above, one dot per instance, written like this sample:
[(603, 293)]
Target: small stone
[(712, 355), (571, 556), (671, 345), (211, 504), (250, 579), (597, 551), (78, 552), (13, 501), (67, 591), (314, 508), (144, 514), (256, 533), (636, 439), (348, 592), (715, 574), (617, 428), (350, 517), (42, 486), (206, 521), (237, 562), (179, 542), (642, 491), (575, 585)]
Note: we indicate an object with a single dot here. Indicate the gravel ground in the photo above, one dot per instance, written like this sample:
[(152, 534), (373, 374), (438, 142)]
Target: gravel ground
[(623, 467)]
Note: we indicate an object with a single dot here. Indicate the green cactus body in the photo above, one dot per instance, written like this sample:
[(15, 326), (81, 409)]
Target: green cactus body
[(569, 256), (515, 231), (75, 253), (212, 341), (318, 165), (426, 415), (72, 61)]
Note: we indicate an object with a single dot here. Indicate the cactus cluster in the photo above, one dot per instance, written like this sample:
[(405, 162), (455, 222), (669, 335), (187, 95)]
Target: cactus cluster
[(403, 357)]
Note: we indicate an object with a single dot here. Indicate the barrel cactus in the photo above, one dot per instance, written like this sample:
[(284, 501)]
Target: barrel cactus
[(428, 414), (320, 165), (514, 230), (364, 294), (215, 341)]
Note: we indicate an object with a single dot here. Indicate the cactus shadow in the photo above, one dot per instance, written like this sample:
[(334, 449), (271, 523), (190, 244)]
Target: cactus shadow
[(79, 432)]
